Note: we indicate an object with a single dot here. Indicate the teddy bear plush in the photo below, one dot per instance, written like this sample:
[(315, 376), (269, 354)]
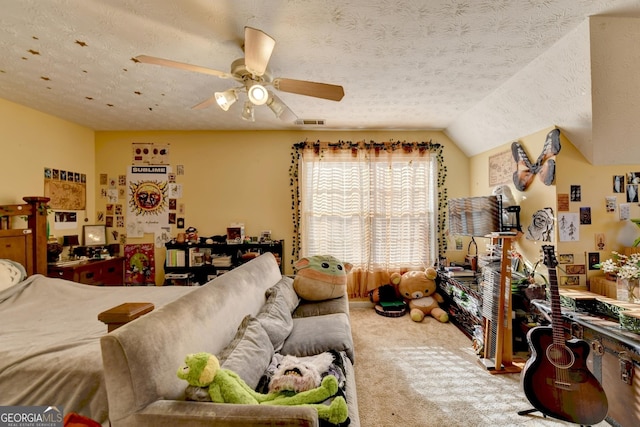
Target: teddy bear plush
[(225, 386), (320, 277), (419, 288)]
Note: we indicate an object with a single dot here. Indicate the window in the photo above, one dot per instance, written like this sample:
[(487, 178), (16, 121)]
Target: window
[(376, 210)]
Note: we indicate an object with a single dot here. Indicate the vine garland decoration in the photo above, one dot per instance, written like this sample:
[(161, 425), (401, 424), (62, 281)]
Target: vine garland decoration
[(321, 147)]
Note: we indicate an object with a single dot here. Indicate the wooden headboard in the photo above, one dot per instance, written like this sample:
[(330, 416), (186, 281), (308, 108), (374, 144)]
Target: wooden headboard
[(28, 246)]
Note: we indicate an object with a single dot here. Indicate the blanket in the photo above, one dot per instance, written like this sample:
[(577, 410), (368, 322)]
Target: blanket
[(50, 341)]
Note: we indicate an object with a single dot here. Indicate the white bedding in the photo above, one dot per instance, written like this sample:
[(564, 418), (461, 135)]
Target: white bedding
[(49, 341)]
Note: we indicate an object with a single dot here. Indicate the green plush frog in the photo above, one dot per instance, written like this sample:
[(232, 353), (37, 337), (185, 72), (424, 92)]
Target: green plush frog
[(225, 386)]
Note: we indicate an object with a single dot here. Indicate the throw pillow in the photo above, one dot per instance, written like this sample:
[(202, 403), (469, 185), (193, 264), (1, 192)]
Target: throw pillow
[(275, 317), (285, 286), (320, 308), (249, 353), (315, 335)]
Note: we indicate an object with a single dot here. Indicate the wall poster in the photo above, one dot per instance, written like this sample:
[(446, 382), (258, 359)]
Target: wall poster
[(148, 200), (67, 190), (139, 264), (501, 168)]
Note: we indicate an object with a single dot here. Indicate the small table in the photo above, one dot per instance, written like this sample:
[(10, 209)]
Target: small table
[(124, 313)]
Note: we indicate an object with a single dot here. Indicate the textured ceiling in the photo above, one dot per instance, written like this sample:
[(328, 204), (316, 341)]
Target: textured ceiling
[(484, 71)]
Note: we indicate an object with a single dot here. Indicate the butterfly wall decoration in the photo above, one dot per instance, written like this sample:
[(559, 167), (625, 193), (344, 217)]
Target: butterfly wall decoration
[(544, 167)]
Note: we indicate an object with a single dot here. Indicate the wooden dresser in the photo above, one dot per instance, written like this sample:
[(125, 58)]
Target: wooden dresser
[(107, 272)]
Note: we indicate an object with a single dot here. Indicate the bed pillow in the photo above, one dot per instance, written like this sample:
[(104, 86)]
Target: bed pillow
[(275, 317), (11, 273), (249, 352)]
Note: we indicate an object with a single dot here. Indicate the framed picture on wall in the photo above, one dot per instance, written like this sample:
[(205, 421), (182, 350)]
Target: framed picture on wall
[(501, 168)]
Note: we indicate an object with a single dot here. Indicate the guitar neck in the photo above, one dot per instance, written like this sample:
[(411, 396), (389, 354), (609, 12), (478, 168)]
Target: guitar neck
[(556, 309)]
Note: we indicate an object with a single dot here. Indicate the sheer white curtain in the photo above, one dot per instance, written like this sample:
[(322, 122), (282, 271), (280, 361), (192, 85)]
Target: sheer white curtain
[(373, 206)]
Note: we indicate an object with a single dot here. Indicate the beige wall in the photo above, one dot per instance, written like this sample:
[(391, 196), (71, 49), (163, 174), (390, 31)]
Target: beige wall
[(244, 176), (571, 169), (31, 141)]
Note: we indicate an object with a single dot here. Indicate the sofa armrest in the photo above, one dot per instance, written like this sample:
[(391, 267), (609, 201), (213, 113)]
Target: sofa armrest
[(200, 414)]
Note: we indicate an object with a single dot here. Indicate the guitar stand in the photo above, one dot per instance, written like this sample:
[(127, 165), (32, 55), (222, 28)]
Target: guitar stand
[(532, 410)]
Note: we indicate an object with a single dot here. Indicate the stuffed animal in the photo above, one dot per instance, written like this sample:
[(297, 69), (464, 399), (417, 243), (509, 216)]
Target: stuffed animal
[(419, 288), (192, 235), (225, 386), (320, 277), (296, 375)]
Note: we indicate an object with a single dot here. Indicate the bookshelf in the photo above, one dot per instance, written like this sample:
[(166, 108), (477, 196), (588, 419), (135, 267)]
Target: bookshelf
[(203, 262)]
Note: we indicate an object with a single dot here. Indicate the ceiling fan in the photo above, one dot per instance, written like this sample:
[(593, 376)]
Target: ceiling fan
[(254, 78)]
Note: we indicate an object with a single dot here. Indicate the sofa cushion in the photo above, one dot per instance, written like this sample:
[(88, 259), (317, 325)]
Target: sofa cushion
[(285, 287), (275, 317), (320, 308), (317, 334), (249, 353)]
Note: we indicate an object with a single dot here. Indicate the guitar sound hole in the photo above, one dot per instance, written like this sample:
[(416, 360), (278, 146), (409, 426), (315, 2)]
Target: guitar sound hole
[(560, 356)]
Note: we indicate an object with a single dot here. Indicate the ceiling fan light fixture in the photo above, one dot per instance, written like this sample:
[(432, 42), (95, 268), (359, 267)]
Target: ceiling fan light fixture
[(258, 94), (276, 106), (247, 112), (226, 99)]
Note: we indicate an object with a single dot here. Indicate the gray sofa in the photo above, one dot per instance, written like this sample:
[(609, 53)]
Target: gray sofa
[(227, 317)]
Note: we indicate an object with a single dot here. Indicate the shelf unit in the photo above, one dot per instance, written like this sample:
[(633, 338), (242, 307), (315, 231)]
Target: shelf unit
[(199, 259), (463, 301)]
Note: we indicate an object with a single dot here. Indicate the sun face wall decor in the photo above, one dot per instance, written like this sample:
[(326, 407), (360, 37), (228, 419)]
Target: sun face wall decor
[(148, 197)]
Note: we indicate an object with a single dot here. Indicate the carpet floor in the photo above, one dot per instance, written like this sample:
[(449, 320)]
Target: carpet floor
[(427, 374)]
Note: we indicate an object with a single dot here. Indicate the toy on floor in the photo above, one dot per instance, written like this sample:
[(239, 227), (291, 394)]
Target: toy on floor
[(387, 301), (320, 277), (419, 288), (225, 386)]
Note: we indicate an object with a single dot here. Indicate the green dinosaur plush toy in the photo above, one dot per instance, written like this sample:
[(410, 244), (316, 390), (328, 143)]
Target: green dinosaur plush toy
[(225, 386)]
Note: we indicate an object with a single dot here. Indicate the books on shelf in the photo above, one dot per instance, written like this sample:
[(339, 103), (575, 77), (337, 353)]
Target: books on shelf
[(175, 258)]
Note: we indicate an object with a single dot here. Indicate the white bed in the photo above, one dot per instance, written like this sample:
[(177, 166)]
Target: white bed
[(49, 329), (50, 341)]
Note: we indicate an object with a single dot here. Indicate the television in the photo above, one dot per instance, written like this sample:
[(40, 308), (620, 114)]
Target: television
[(475, 216), (94, 235)]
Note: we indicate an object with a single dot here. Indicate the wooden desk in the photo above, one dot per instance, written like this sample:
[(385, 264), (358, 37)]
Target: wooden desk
[(103, 272)]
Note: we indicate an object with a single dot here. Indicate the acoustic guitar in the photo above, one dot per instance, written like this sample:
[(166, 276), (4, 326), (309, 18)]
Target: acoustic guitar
[(556, 379)]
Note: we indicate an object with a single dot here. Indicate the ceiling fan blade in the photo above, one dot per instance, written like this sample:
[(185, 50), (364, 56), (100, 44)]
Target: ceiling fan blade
[(302, 87), (205, 103), (258, 47), (182, 66)]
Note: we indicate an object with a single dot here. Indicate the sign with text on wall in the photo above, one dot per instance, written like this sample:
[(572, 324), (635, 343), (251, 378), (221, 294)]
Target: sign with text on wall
[(147, 199)]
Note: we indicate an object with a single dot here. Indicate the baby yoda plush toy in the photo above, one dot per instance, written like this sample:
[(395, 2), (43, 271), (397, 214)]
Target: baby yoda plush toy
[(321, 277), (225, 386)]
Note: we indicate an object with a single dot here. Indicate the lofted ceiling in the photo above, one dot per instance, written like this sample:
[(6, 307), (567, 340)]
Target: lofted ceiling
[(485, 71)]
